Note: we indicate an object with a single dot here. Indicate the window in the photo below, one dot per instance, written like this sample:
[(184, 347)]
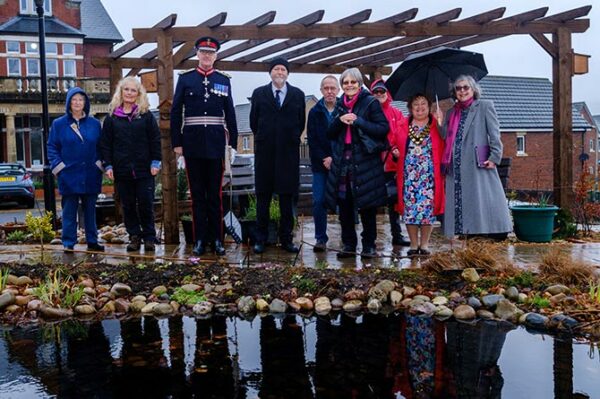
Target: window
[(28, 7), (246, 143), (51, 48), (521, 145), (33, 67), (13, 47), (35, 140), (592, 148), (31, 47), (69, 68), (14, 67), (52, 67), (68, 49)]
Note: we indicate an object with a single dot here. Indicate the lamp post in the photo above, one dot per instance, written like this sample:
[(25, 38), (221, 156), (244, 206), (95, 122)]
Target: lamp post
[(49, 198)]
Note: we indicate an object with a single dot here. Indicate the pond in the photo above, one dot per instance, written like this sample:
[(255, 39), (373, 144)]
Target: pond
[(367, 356)]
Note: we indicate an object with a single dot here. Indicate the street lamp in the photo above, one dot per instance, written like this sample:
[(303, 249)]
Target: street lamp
[(49, 198)]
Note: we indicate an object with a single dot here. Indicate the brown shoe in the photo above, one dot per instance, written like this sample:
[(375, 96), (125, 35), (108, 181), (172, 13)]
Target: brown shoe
[(134, 244), (149, 246)]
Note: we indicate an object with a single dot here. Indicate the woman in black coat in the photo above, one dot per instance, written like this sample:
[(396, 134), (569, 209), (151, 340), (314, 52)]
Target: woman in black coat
[(356, 181), (130, 146)]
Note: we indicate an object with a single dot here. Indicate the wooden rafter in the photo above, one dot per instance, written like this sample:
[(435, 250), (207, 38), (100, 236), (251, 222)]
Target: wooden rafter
[(261, 21), (133, 44)]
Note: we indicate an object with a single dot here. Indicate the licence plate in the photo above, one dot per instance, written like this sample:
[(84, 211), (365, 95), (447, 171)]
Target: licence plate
[(7, 178)]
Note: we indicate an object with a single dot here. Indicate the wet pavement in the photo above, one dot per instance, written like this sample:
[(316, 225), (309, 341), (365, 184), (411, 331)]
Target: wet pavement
[(522, 254)]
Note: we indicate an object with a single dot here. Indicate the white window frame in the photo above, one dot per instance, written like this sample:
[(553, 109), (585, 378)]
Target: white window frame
[(65, 62), (27, 60), (592, 148), (8, 51), (48, 44), (65, 45), (33, 51), (245, 143), (28, 7), (55, 62), (521, 138), (8, 60)]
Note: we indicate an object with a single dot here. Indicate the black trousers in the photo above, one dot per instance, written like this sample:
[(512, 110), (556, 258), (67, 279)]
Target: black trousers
[(137, 196), (286, 222), (368, 218), (205, 179), (395, 228)]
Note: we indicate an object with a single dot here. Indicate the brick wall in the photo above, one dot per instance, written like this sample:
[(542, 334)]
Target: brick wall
[(93, 50), (68, 12), (8, 9)]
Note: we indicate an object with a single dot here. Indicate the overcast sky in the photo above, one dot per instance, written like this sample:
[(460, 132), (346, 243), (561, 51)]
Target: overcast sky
[(517, 55)]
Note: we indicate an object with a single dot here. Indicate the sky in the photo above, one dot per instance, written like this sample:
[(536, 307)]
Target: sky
[(517, 55)]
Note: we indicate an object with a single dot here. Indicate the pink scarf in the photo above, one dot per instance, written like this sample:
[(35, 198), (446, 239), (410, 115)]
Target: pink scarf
[(349, 104), (453, 123), (120, 113)]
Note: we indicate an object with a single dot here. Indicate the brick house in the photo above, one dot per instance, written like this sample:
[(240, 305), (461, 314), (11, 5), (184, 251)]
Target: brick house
[(76, 30)]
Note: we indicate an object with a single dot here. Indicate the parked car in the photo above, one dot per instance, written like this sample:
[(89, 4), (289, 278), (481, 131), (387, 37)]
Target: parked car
[(16, 185)]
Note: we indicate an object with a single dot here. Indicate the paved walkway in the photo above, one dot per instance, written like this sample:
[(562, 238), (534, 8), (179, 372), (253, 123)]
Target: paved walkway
[(240, 254)]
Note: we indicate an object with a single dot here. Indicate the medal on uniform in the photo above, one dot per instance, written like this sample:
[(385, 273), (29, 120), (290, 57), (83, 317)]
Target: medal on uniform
[(205, 81)]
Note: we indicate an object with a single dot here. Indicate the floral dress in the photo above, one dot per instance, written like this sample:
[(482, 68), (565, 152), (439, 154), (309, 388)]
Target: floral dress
[(420, 346), (418, 182), (456, 156)]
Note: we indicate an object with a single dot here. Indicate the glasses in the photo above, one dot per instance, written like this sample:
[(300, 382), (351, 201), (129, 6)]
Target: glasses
[(349, 82), (462, 88), (379, 92)]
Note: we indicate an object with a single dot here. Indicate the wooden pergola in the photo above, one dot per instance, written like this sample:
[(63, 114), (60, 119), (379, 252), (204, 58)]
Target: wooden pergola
[(315, 47)]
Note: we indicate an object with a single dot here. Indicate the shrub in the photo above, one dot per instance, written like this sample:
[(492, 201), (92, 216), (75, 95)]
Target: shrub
[(188, 297), (40, 226), (16, 236), (182, 184), (58, 291)]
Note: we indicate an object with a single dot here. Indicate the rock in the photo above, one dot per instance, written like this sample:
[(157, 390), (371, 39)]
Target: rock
[(100, 289), (423, 298), (323, 305), (512, 293), (191, 287), (354, 294), (522, 297), (137, 306), (427, 308), (85, 309), (406, 302), (120, 289), (23, 300), (12, 309), (562, 322), (163, 309), (109, 307), (558, 289), (175, 305), (337, 303), (464, 312), (122, 305), (202, 308), (7, 299), (443, 312), (408, 291), (246, 304), (208, 288), (395, 298), (11, 279), (117, 240), (34, 305), (470, 275), (277, 306), (378, 294), (386, 286), (536, 321), (164, 297), (569, 301), (55, 313), (485, 314), (159, 290), (28, 291), (108, 236), (223, 287), (506, 310), (23, 280), (558, 298), (455, 296), (87, 282), (89, 292), (149, 307), (490, 301), (262, 305), (440, 300), (374, 305), (10, 290), (305, 303), (473, 302), (353, 305), (56, 241)]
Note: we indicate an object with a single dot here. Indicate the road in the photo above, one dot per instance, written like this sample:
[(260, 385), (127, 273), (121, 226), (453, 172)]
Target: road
[(10, 211)]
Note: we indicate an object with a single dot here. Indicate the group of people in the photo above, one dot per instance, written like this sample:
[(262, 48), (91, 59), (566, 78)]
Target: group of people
[(360, 145)]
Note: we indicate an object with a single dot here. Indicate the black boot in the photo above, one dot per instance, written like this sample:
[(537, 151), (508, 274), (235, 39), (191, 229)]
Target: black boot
[(135, 242), (199, 248), (219, 248)]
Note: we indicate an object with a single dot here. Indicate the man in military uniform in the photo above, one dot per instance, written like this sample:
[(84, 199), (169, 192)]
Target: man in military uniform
[(202, 125)]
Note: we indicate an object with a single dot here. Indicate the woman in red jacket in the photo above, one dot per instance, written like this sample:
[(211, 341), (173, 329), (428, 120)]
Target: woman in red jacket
[(419, 147)]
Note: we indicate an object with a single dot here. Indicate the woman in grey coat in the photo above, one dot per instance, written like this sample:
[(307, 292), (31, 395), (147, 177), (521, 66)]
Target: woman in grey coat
[(475, 200)]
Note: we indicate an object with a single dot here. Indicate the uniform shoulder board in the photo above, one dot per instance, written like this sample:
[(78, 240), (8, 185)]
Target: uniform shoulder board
[(187, 71), (223, 73)]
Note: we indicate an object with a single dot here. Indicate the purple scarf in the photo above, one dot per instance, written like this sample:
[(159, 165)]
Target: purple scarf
[(120, 113), (453, 123)]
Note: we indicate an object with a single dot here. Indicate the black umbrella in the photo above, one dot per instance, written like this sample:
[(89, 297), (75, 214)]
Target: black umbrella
[(432, 71)]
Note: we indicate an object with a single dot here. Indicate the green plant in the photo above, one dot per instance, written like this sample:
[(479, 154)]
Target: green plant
[(186, 217), (304, 284), (38, 184), (188, 279), (274, 212), (523, 279), (16, 236), (182, 184), (107, 182), (595, 291), (40, 227), (543, 200), (3, 278), (565, 224), (584, 210), (57, 290), (321, 264), (539, 302), (184, 297)]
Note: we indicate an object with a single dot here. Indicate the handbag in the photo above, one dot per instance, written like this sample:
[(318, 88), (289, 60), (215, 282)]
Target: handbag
[(391, 189)]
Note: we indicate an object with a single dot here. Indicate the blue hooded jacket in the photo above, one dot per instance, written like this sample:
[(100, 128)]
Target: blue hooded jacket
[(73, 150)]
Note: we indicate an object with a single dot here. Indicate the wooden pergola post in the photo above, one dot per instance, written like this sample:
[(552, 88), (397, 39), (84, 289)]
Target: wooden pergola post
[(169, 165), (562, 71)]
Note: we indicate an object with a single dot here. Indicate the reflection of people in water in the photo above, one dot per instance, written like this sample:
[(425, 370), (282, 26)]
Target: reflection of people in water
[(473, 351), (284, 373)]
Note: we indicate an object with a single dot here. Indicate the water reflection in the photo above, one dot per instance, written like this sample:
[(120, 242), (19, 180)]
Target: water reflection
[(370, 356)]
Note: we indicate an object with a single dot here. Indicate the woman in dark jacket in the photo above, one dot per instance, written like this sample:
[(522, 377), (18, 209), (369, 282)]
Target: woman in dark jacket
[(130, 147), (356, 181), (74, 159)]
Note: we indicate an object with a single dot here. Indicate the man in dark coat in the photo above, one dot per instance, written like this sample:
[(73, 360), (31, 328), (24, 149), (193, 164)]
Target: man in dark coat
[(277, 120), (203, 105)]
